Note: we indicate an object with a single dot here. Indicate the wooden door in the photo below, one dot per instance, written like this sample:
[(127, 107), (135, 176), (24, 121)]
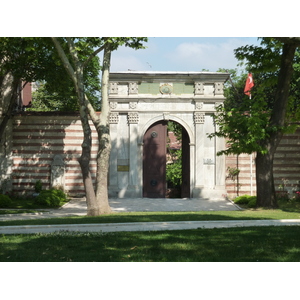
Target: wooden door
[(154, 161)]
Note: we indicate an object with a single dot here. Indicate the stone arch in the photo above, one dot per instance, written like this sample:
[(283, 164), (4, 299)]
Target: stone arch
[(166, 118), (186, 188)]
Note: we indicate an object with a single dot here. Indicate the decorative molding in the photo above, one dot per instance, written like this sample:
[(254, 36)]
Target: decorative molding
[(199, 118), (113, 105), (166, 116), (113, 88), (199, 105), (166, 88), (133, 88), (199, 88), (133, 118), (132, 105), (219, 88), (114, 118)]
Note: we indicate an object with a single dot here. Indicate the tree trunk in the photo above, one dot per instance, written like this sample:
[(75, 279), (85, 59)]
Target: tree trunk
[(265, 189), (84, 160), (97, 202), (104, 140), (85, 157), (8, 97), (266, 196)]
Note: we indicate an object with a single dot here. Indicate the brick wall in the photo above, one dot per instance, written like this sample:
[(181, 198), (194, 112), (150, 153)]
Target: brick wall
[(286, 168), (37, 138)]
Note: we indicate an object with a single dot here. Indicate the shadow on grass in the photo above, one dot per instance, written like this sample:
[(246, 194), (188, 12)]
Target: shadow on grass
[(202, 245)]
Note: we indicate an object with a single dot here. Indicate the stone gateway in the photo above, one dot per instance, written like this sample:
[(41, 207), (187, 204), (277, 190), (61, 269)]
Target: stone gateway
[(141, 104)]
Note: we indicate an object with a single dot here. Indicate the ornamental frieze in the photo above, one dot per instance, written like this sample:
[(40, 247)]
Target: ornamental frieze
[(132, 105), (113, 88), (219, 88), (133, 88), (113, 105), (114, 118), (199, 118), (199, 88), (133, 118), (199, 105)]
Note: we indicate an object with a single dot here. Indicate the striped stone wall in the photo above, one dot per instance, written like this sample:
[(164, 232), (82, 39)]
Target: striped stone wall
[(244, 183), (38, 140), (286, 168), (287, 163), (35, 141)]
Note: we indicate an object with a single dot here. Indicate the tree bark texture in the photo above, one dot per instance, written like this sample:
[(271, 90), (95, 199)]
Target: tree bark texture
[(266, 195), (8, 95), (97, 202), (265, 189), (102, 128)]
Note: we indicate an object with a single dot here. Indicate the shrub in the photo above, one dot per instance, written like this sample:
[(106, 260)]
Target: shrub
[(52, 198), (245, 199), (252, 202), (282, 196), (38, 186), (5, 201), (297, 196)]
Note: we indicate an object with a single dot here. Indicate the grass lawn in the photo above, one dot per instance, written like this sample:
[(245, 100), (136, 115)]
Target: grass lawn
[(252, 244), (250, 214)]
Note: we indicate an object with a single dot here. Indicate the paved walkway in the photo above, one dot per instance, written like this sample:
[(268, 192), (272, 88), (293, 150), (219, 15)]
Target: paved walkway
[(77, 207)]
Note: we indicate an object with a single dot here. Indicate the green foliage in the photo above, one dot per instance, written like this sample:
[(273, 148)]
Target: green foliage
[(5, 201), (233, 173), (38, 186), (246, 123), (244, 128), (244, 199), (51, 198), (252, 203), (174, 170)]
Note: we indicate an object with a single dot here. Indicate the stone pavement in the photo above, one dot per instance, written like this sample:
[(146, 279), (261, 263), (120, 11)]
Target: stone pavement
[(77, 207)]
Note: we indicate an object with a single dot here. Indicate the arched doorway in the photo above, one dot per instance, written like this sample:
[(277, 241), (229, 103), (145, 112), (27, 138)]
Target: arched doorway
[(155, 159)]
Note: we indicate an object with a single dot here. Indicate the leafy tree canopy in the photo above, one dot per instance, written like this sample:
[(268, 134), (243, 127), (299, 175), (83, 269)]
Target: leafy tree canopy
[(245, 122)]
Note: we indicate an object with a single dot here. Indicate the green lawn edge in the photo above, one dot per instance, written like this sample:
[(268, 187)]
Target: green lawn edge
[(159, 217)]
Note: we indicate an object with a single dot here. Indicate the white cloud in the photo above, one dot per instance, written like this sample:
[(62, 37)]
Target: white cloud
[(212, 56), (180, 54)]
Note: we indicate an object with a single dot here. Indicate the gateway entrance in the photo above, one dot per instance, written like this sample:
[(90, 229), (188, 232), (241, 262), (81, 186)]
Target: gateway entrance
[(155, 184), (141, 104)]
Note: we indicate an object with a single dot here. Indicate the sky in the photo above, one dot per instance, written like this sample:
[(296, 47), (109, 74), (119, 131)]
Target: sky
[(188, 54)]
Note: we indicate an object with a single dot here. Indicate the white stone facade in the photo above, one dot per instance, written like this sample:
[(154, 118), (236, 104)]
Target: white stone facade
[(138, 100)]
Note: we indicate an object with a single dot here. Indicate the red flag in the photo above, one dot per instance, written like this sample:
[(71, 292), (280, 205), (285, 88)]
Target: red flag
[(249, 85)]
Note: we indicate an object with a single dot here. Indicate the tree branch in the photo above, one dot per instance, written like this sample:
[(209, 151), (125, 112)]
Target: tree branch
[(64, 59), (289, 40), (93, 55)]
